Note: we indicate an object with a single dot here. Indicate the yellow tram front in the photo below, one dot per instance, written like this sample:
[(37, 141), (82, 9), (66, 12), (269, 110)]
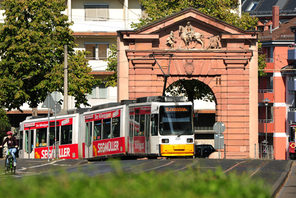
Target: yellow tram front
[(176, 129)]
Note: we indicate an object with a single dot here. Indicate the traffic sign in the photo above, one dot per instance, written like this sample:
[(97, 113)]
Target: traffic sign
[(219, 127)]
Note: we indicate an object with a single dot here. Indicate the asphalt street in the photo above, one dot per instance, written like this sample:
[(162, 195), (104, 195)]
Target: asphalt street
[(273, 172)]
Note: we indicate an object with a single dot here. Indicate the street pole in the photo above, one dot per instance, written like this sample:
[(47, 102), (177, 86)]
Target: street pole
[(65, 78), (266, 100), (48, 114)]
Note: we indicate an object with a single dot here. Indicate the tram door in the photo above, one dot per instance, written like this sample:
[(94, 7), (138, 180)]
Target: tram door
[(29, 144), (147, 133), (154, 139), (88, 140)]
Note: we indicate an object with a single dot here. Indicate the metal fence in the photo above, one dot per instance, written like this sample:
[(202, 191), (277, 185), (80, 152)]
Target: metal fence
[(266, 151)]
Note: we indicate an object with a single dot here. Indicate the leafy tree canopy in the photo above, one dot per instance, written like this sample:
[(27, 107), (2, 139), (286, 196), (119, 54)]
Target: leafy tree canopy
[(192, 89), (4, 122), (32, 43), (112, 66), (220, 9)]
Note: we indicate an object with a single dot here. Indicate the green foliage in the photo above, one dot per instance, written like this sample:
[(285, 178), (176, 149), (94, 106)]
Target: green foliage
[(189, 183), (261, 60), (192, 89), (79, 80), (220, 9), (112, 66), (32, 43), (4, 122)]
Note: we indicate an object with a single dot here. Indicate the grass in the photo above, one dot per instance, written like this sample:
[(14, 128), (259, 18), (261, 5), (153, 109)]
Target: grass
[(187, 184)]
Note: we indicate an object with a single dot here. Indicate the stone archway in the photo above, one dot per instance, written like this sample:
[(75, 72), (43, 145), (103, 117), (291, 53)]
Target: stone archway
[(156, 55)]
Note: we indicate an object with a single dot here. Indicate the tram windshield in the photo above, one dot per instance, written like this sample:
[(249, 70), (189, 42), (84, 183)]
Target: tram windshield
[(175, 120)]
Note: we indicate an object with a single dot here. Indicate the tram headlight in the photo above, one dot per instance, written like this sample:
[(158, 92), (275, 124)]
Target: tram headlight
[(189, 140), (164, 140)]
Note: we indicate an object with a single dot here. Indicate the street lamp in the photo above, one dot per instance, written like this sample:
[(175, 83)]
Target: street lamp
[(265, 142)]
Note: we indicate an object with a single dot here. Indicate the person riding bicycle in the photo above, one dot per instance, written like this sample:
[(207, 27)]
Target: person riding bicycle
[(12, 145)]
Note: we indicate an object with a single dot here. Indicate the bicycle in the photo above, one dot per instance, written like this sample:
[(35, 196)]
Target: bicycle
[(9, 166)]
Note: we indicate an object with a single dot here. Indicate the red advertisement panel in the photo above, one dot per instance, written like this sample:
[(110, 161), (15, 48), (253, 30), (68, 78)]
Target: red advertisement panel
[(140, 110), (291, 147), (69, 151), (109, 146), (44, 124), (102, 115), (139, 144)]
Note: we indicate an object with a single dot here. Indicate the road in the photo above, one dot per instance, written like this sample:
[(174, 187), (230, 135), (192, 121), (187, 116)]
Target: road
[(273, 172)]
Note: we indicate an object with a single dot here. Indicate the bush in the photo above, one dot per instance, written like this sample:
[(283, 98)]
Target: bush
[(191, 183)]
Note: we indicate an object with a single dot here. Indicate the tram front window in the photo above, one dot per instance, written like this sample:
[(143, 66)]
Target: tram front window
[(175, 120)]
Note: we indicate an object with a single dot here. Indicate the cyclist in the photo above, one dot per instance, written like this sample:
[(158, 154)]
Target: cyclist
[(12, 145)]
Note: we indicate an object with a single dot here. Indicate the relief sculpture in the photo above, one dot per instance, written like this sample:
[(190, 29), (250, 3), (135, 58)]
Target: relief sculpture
[(171, 40), (214, 42), (188, 35)]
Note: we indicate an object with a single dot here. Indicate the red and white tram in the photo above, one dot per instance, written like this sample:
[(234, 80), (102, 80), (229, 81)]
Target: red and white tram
[(150, 126), (35, 137)]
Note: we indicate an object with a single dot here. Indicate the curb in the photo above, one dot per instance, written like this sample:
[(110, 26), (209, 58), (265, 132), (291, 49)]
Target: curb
[(282, 179)]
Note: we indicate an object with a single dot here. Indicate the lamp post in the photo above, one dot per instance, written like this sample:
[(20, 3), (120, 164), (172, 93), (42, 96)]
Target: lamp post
[(265, 142)]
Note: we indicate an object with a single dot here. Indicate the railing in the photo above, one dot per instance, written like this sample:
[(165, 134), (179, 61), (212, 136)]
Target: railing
[(265, 120), (266, 152), (265, 90), (292, 109), (269, 60), (199, 128)]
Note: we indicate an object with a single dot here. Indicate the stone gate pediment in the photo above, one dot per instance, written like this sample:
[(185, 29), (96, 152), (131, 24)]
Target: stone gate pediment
[(188, 29)]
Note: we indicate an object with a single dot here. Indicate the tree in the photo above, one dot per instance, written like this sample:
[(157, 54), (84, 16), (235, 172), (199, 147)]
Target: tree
[(192, 89), (112, 66), (220, 9), (4, 123), (79, 80), (32, 43)]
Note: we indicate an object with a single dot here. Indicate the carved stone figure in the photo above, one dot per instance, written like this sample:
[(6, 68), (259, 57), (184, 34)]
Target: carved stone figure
[(215, 42), (171, 40), (188, 35)]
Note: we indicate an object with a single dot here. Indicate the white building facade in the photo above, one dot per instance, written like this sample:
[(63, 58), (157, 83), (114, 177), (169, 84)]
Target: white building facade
[(95, 23)]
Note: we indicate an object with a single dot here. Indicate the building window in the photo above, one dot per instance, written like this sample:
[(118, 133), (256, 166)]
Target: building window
[(97, 51), (99, 92), (252, 6), (96, 12), (103, 92)]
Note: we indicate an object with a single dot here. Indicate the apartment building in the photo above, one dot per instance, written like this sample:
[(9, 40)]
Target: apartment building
[(276, 92), (95, 23)]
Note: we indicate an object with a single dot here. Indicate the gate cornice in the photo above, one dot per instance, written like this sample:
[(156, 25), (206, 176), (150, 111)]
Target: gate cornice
[(138, 55)]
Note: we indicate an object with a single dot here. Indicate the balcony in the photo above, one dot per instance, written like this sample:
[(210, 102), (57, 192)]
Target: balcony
[(262, 125), (269, 65), (292, 114), (292, 54), (292, 85), (265, 93)]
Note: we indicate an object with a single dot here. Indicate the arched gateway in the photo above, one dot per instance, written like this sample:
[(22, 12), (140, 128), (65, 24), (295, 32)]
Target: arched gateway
[(192, 45)]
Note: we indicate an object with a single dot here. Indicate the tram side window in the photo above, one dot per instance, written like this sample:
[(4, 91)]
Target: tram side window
[(106, 129), (20, 143), (142, 125), (41, 137), (154, 124), (116, 127), (97, 130), (28, 141), (66, 134)]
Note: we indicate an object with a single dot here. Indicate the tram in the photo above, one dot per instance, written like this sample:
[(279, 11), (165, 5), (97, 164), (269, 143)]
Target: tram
[(145, 127), (37, 142)]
